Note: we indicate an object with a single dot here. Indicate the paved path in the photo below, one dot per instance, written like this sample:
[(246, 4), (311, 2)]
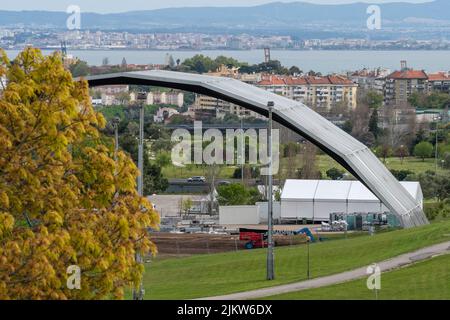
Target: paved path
[(393, 263)]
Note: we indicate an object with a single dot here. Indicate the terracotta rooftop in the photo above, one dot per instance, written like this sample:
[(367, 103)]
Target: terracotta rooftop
[(408, 74), (273, 80), (440, 76)]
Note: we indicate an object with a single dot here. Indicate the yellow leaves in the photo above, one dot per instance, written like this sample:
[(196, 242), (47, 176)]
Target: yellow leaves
[(4, 200), (53, 219), (56, 171), (6, 224)]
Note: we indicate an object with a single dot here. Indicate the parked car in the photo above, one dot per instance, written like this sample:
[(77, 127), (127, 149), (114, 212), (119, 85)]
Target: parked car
[(223, 183), (196, 179)]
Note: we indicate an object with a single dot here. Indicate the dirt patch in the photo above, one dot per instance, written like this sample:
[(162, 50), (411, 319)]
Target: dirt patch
[(173, 244)]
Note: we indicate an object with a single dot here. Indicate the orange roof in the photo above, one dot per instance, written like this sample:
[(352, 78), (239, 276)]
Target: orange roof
[(295, 81), (290, 81), (272, 81), (318, 80), (408, 74), (339, 80), (440, 76)]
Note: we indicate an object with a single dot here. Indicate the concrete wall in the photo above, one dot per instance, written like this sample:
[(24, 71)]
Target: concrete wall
[(239, 215)]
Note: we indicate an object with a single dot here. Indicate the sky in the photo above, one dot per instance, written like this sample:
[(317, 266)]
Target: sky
[(107, 6)]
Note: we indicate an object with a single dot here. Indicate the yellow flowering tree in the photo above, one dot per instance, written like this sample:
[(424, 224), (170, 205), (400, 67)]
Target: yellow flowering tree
[(63, 199)]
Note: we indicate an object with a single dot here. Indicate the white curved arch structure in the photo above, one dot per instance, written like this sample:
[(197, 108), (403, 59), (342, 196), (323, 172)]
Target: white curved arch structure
[(349, 152)]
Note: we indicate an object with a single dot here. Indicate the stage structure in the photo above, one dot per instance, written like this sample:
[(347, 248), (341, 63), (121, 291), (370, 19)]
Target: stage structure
[(349, 152)]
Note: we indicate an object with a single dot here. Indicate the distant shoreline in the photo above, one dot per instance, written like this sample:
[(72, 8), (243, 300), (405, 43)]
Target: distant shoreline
[(324, 61)]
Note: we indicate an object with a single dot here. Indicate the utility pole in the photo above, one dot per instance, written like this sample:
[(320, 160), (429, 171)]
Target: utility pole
[(308, 273), (242, 150), (116, 122), (270, 260), (139, 294), (141, 151), (436, 144)]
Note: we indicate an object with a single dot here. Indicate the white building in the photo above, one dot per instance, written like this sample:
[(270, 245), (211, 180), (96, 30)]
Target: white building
[(317, 199), (164, 113)]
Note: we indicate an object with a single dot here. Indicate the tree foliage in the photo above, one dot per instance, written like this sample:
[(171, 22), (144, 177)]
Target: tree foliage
[(237, 194), (63, 199), (423, 150)]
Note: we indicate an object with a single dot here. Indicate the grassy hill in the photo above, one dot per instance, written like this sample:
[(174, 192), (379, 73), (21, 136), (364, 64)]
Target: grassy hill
[(425, 280), (217, 274)]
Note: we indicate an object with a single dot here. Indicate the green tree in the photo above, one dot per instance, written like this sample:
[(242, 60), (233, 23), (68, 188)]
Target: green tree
[(79, 69), (64, 200), (154, 181), (237, 194), (374, 100), (423, 150), (401, 175), (335, 174), (373, 123)]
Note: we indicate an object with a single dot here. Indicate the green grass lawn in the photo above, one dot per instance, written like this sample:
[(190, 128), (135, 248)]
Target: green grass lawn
[(208, 275), (416, 165), (324, 163), (172, 172), (425, 280)]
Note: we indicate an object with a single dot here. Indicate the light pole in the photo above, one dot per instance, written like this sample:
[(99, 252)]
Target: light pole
[(436, 119), (270, 260), (308, 274), (242, 150), (139, 294), (116, 122)]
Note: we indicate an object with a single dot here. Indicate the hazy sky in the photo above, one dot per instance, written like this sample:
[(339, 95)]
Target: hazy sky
[(104, 6)]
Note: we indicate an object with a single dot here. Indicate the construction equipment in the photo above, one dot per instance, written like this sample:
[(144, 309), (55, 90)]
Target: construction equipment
[(254, 238), (307, 233)]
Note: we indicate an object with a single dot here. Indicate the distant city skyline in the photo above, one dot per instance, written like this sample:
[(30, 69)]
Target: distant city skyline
[(132, 5)]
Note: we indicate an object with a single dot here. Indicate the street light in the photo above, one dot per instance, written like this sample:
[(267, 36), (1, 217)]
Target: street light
[(116, 122), (436, 119), (139, 294), (270, 260)]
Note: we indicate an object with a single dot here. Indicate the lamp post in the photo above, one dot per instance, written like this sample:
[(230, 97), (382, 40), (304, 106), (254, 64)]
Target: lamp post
[(270, 260), (116, 122), (436, 146), (242, 150), (139, 294), (308, 273)]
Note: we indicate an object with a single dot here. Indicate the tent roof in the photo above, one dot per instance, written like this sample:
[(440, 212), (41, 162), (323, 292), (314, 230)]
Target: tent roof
[(332, 190), (299, 189), (336, 190)]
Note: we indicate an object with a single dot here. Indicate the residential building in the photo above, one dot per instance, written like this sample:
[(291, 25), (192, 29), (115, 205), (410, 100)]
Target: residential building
[(439, 82), (400, 85), (164, 113), (113, 89), (219, 107), (175, 98), (322, 92), (370, 80)]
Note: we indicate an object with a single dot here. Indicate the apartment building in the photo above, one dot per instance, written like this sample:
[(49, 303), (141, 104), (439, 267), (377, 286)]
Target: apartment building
[(218, 107), (175, 98), (400, 85), (439, 82), (322, 92)]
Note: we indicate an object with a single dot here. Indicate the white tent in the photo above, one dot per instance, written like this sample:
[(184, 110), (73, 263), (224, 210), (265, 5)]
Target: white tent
[(317, 199), (297, 198), (360, 199), (330, 196)]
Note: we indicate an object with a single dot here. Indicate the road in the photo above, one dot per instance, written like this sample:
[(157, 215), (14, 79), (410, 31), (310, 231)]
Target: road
[(387, 265)]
